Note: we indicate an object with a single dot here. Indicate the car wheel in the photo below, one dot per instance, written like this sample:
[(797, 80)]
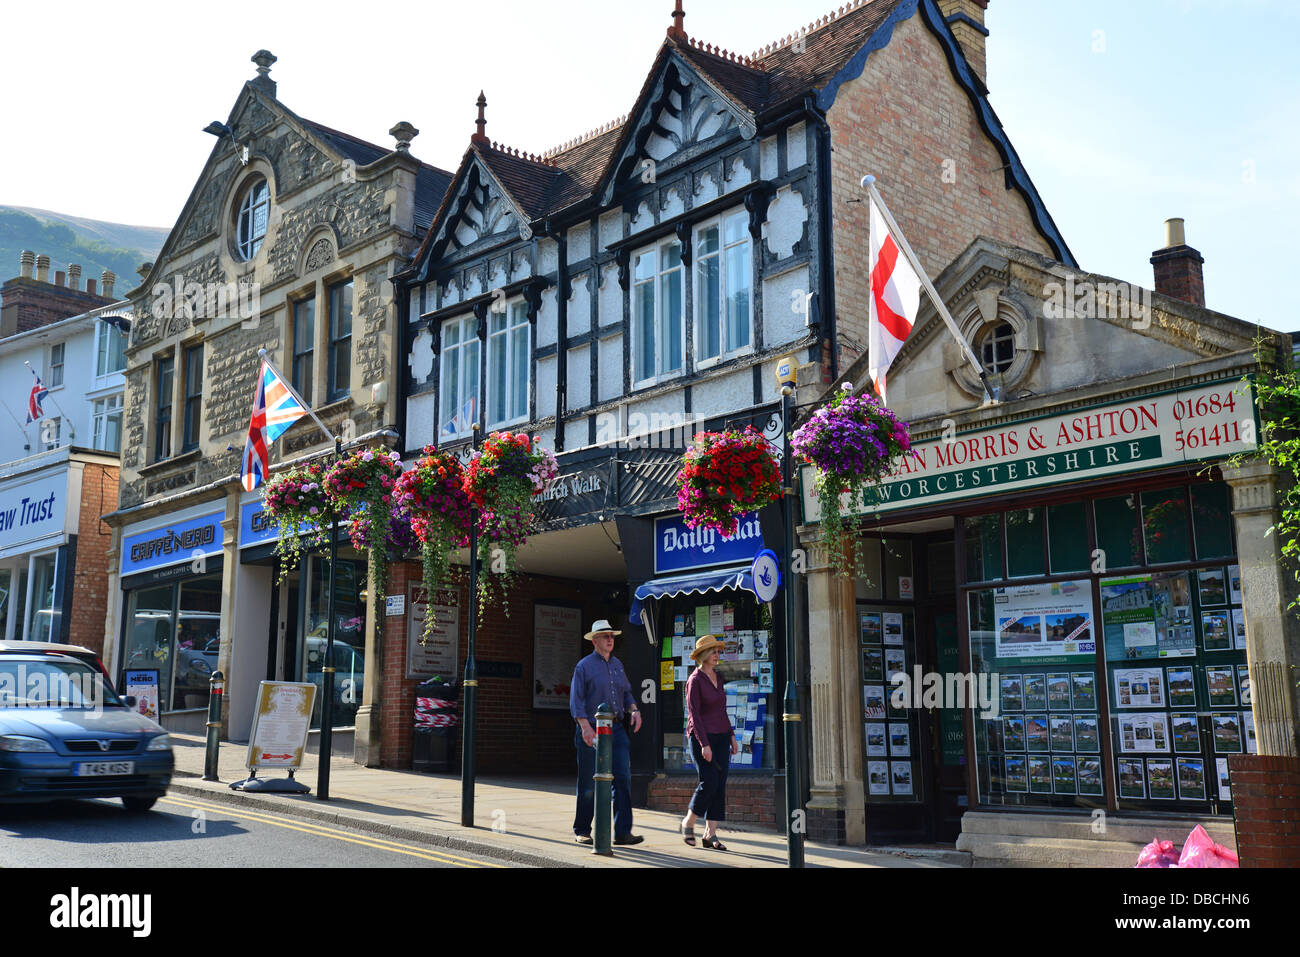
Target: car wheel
[(138, 805)]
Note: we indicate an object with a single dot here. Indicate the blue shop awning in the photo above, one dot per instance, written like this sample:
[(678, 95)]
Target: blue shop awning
[(694, 584)]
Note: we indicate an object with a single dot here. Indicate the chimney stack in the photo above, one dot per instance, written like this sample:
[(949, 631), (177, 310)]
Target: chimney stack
[(74, 276), (26, 264), (59, 276), (965, 18), (106, 280), (42, 268), (1178, 266), (90, 287)]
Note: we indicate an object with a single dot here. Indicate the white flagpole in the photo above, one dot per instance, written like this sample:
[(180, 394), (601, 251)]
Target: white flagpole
[(294, 392), (72, 426), (869, 184)]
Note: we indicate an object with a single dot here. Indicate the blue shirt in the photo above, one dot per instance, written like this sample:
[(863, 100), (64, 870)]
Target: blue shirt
[(596, 682)]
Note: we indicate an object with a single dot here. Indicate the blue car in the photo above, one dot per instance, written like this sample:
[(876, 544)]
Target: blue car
[(64, 733)]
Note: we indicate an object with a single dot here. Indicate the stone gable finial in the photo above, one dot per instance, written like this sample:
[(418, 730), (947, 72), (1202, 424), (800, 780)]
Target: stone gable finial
[(263, 81), (404, 132)]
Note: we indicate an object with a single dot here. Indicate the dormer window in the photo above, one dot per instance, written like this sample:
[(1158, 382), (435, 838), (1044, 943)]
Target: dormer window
[(254, 213)]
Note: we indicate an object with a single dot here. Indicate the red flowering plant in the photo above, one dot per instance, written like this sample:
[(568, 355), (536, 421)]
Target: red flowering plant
[(503, 477), (723, 476), (296, 503), (432, 494), (361, 487), (854, 442)]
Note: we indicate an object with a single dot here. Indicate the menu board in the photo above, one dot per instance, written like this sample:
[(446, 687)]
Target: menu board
[(1042, 623), (280, 723), (557, 640), (436, 655)]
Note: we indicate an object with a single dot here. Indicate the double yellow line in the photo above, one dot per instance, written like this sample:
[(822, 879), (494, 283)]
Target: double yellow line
[(322, 831)]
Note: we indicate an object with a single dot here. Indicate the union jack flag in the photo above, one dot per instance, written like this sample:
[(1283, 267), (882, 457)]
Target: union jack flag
[(275, 408), (39, 392)]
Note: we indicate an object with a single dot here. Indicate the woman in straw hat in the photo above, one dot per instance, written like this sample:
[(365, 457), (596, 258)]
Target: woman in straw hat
[(713, 741)]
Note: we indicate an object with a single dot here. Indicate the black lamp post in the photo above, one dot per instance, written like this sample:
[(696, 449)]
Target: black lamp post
[(327, 672), (793, 719), (469, 692)]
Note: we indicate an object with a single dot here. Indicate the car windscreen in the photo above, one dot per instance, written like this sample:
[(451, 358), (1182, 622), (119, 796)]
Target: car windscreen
[(52, 683)]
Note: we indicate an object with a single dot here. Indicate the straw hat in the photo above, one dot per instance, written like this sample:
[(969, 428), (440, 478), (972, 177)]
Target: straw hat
[(599, 626), (706, 644)]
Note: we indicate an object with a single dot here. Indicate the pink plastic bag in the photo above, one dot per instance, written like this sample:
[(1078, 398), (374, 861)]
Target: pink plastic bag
[(1158, 854), (1201, 851)]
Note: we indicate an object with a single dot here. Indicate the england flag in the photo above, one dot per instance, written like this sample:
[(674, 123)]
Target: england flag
[(275, 408), (895, 299)]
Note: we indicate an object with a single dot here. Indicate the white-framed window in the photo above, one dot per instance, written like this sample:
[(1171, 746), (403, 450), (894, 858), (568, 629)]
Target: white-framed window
[(254, 214), (723, 288), (55, 377), (509, 361), (458, 378), (40, 619), (51, 431), (107, 421), (110, 349), (659, 337)]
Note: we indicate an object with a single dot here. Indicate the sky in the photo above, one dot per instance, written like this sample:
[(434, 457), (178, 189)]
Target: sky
[(1124, 112)]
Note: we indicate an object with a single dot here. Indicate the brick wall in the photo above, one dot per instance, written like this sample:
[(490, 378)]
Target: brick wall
[(1266, 809), (906, 121), (512, 737), (90, 575), (751, 798), (27, 303)]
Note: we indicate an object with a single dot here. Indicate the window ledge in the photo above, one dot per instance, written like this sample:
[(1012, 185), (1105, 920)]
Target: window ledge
[(163, 464)]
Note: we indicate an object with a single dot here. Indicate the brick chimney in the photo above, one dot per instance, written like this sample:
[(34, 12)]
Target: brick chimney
[(1178, 266), (965, 19), (30, 301)]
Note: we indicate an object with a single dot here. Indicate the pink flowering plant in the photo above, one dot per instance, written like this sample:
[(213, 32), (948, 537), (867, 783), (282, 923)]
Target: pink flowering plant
[(432, 495), (296, 502), (854, 442), (723, 476), (361, 487), (503, 478)]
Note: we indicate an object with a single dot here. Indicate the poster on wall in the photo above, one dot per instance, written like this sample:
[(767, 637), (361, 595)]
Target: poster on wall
[(557, 646), (1148, 616), (900, 773), (437, 655), (1044, 623), (1140, 733), (878, 776), (1139, 688), (893, 624), (143, 685)]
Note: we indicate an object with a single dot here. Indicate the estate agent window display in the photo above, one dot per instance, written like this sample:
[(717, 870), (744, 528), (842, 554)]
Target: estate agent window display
[(1170, 685)]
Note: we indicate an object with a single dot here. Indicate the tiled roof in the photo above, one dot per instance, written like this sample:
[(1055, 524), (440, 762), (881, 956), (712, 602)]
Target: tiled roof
[(525, 177)]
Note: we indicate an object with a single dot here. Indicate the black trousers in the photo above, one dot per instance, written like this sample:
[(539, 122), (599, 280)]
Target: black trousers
[(710, 798)]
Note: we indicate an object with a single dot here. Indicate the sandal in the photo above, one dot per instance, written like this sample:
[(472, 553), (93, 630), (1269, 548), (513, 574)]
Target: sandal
[(713, 843), (688, 833)]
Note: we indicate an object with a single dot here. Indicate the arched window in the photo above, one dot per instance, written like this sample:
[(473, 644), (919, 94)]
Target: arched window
[(997, 348), (254, 211)]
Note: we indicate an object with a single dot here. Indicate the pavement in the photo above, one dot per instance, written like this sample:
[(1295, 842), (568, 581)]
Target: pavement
[(527, 822)]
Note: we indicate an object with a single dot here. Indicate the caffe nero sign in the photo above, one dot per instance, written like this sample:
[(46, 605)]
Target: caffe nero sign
[(678, 548), (172, 544)]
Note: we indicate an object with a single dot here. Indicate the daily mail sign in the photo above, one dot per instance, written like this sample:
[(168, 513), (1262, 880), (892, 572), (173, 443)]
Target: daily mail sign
[(1150, 432)]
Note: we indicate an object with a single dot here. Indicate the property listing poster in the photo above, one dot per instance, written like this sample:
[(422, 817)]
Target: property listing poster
[(1148, 616), (1045, 624)]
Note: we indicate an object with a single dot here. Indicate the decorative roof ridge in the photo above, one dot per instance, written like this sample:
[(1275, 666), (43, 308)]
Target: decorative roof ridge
[(783, 42), (539, 159), (583, 138), (715, 50)]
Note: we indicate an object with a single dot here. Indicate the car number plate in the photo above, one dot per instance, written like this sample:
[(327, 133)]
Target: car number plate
[(90, 769)]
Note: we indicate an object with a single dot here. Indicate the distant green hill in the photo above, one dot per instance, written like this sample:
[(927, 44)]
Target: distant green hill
[(94, 245)]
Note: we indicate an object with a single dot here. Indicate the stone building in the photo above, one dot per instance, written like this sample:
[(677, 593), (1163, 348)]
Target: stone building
[(286, 243), (596, 265)]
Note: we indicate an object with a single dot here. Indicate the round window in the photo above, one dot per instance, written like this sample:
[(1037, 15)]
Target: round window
[(254, 211), (998, 348)]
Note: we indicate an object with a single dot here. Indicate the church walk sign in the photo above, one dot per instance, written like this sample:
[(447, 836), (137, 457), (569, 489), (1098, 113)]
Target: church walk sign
[(1148, 432)]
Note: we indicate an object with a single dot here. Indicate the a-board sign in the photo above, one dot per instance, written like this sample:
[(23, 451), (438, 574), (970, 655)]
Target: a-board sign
[(280, 723)]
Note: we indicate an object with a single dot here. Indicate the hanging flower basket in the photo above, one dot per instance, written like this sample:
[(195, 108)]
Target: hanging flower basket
[(296, 502), (854, 442), (503, 477), (432, 496), (361, 488), (723, 476)]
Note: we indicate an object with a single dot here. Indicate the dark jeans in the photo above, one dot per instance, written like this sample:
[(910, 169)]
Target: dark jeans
[(587, 787), (710, 799)]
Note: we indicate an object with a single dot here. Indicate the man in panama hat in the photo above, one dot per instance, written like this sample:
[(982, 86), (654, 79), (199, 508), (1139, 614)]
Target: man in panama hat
[(599, 679)]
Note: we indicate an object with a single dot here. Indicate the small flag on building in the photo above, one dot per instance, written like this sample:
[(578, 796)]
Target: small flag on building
[(276, 407), (34, 400)]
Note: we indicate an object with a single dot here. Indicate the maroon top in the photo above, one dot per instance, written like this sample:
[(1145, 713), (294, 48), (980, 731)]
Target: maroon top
[(706, 707)]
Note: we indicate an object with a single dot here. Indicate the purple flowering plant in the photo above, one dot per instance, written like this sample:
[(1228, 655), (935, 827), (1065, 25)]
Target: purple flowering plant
[(853, 441), (361, 487), (298, 505)]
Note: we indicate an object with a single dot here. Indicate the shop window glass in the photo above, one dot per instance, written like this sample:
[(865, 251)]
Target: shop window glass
[(1025, 543), (1116, 520), (20, 601), (149, 636), (898, 564), (349, 638), (891, 733), (1212, 521), (1067, 538), (984, 548), (41, 626), (6, 594), (198, 640), (1164, 526), (870, 584)]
